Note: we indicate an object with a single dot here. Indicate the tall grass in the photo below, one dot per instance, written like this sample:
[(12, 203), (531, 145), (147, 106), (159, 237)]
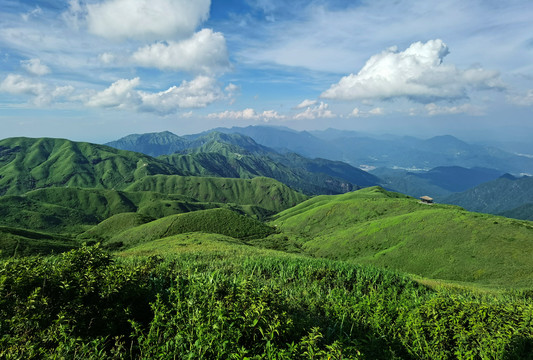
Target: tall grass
[(238, 304)]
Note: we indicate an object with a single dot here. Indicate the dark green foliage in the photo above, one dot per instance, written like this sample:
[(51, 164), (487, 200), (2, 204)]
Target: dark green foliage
[(85, 304), (17, 242)]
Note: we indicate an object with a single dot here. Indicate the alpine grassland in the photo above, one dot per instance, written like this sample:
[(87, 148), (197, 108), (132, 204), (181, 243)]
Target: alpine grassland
[(110, 254), (235, 301)]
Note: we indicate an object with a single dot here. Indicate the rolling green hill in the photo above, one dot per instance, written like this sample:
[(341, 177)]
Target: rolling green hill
[(27, 164), (264, 192), (114, 225), (215, 221), (373, 226)]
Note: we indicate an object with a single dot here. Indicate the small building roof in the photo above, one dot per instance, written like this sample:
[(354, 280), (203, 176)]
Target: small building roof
[(427, 198)]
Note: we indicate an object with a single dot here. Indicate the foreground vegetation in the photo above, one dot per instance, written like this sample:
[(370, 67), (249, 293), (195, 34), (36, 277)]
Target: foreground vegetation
[(237, 302)]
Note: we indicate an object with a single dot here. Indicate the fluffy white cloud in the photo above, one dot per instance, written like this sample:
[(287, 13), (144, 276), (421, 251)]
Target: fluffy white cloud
[(146, 19), (305, 103), (122, 94), (40, 93), (16, 84), (197, 93), (433, 109), (416, 73), (247, 114), (35, 67), (316, 112), (204, 52)]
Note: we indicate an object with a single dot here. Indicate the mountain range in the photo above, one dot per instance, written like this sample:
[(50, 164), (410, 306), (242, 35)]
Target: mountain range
[(363, 150)]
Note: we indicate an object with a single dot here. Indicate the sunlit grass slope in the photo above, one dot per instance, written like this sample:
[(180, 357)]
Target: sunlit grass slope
[(194, 243), (264, 192), (216, 221), (115, 225), (387, 229)]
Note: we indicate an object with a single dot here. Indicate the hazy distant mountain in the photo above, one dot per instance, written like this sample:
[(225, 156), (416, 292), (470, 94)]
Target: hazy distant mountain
[(503, 194), (153, 144), (438, 182), (236, 155), (388, 151)]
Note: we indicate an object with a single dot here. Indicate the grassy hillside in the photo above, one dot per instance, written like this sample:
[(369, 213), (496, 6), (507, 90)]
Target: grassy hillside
[(215, 221), (264, 192), (376, 227), (115, 225), (27, 164)]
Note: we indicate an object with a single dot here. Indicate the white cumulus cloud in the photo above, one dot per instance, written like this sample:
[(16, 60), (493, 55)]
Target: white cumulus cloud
[(418, 73), (146, 19), (122, 94), (204, 52), (319, 111), (247, 114), (35, 67), (305, 103), (40, 93)]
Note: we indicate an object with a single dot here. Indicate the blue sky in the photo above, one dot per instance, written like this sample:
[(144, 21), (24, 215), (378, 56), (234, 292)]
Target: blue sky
[(97, 70)]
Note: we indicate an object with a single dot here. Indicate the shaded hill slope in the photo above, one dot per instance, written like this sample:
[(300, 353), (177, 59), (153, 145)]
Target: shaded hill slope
[(264, 192), (390, 230), (502, 194)]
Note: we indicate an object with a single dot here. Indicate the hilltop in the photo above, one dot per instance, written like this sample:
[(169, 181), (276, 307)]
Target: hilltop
[(373, 226)]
